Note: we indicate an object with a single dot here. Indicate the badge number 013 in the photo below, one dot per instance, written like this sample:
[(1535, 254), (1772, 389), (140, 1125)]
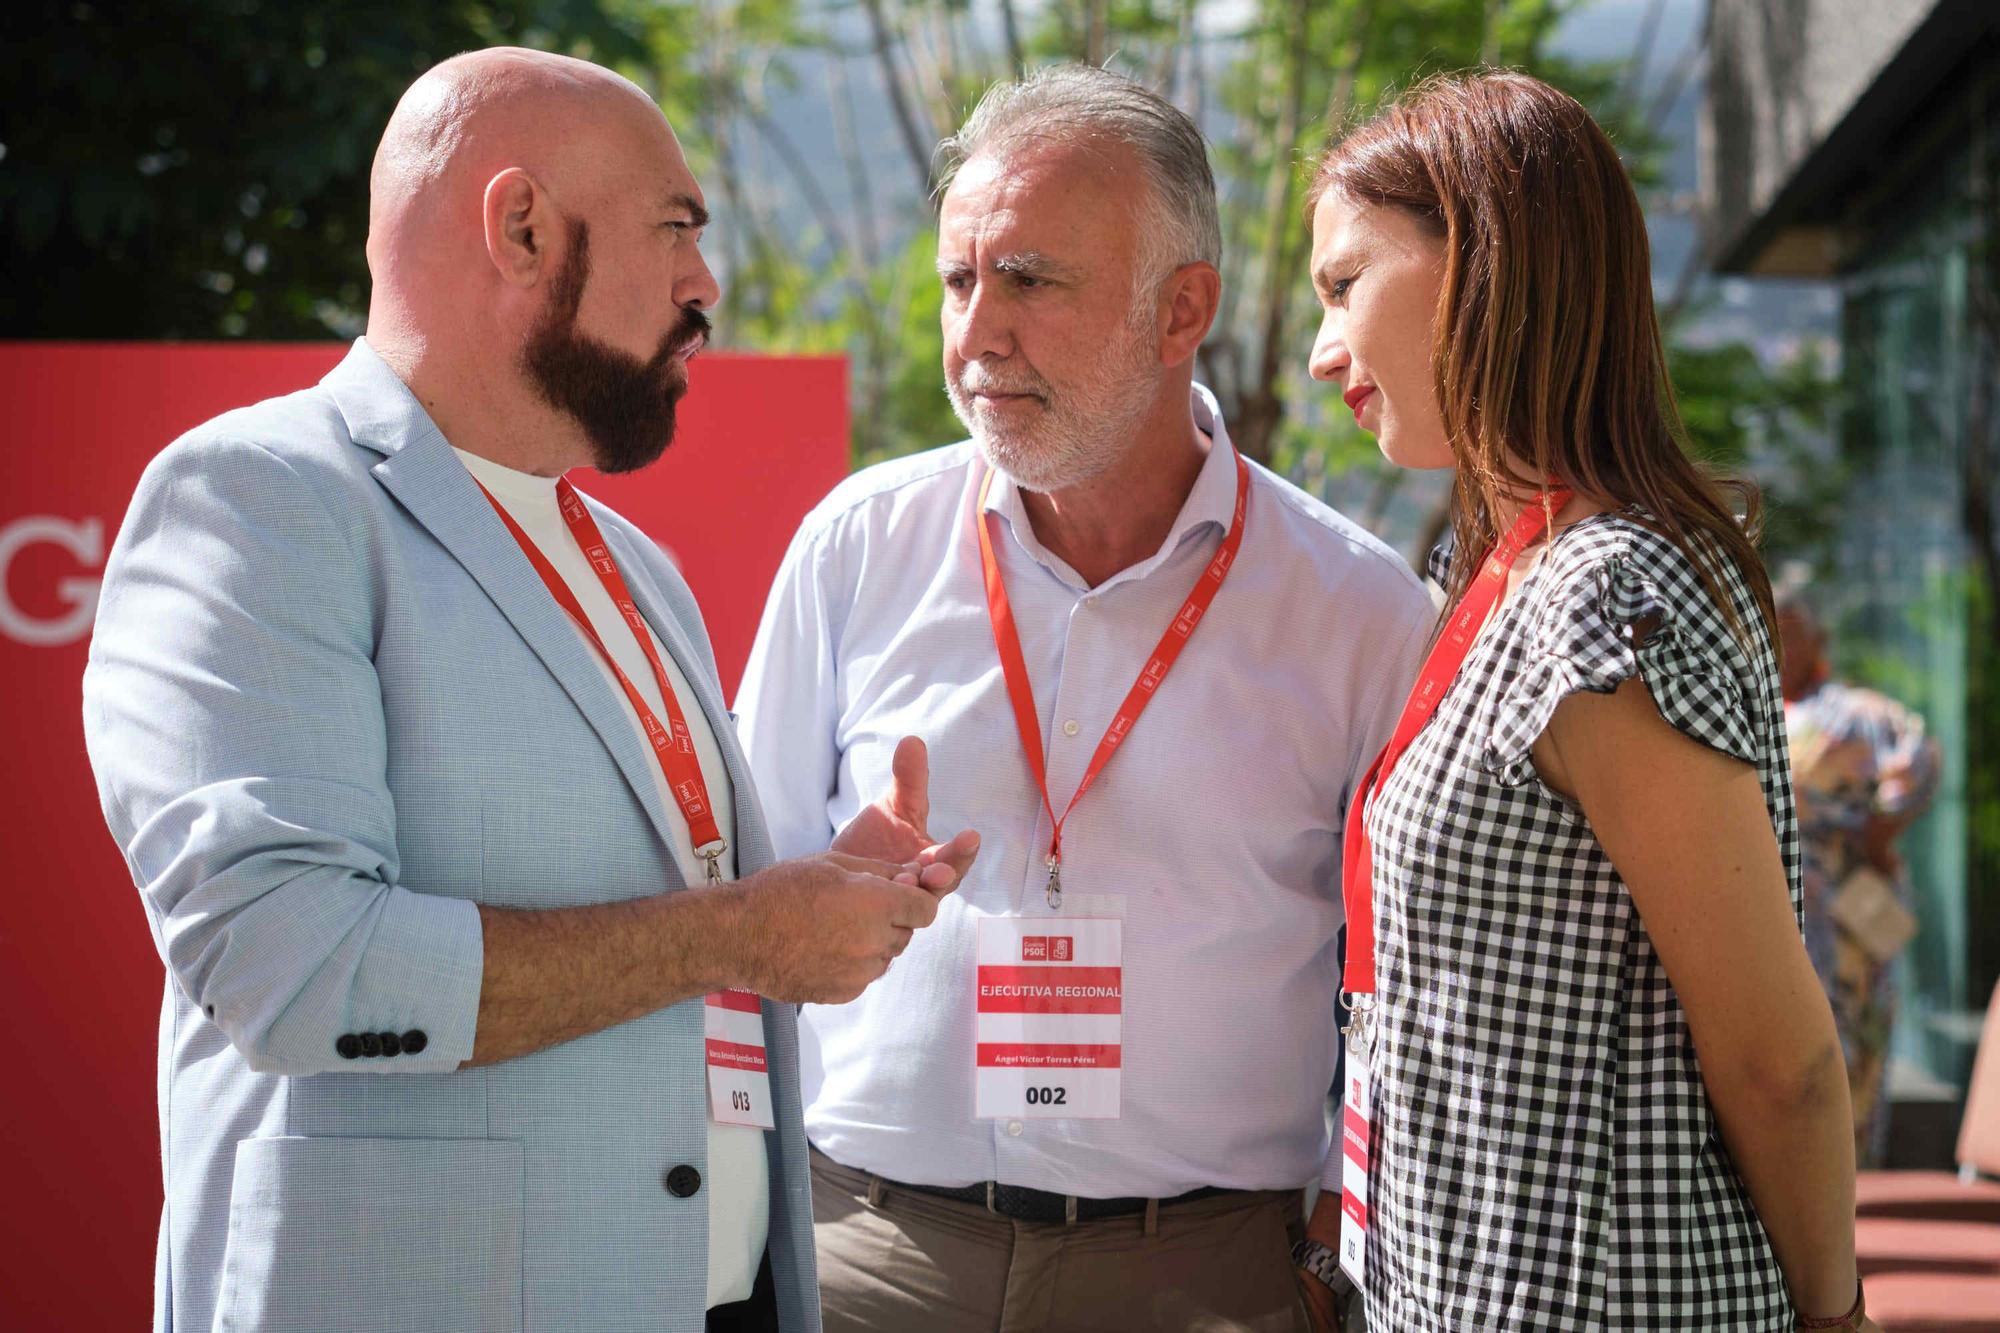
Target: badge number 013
[(739, 1075), (1050, 1018)]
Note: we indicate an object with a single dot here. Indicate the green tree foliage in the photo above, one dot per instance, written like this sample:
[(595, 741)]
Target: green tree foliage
[(199, 168), (1773, 423), (1269, 89)]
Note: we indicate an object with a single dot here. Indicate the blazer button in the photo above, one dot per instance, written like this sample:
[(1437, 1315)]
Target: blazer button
[(683, 1181), (414, 1041), (391, 1044), (371, 1045), (348, 1045)]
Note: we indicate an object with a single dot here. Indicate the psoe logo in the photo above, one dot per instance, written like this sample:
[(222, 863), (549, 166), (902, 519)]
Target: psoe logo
[(83, 539), (1034, 948)]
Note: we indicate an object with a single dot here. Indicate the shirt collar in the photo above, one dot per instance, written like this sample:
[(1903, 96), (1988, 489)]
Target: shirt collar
[(510, 485), (1211, 501)]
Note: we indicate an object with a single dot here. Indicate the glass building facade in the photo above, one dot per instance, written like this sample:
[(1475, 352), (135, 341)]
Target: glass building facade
[(1908, 579), (1860, 146)]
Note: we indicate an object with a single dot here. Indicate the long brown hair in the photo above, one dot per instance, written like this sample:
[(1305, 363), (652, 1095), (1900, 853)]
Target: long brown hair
[(1547, 350)]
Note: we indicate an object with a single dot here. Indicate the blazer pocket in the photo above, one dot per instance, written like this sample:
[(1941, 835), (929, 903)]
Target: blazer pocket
[(374, 1233)]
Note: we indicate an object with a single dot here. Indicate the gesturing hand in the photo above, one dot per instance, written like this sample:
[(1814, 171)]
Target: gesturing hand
[(820, 928), (896, 827)]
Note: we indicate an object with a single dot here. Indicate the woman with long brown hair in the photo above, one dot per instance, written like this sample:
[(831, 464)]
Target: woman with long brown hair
[(1603, 1089)]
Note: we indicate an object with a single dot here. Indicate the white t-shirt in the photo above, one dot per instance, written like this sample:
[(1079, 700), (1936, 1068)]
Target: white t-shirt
[(738, 1177)]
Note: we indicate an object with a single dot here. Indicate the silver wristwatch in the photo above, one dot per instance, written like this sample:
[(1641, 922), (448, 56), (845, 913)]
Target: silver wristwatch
[(1323, 1264)]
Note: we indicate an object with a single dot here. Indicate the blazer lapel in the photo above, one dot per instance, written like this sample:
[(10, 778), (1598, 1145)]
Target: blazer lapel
[(427, 479)]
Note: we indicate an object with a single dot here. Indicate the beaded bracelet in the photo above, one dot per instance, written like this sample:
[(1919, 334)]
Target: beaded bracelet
[(1851, 1320)]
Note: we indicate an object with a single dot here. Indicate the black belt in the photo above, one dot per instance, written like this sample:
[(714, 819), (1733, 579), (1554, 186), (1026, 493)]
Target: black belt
[(1032, 1205)]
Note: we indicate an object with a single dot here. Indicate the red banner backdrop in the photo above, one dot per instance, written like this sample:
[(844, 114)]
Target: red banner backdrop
[(761, 441)]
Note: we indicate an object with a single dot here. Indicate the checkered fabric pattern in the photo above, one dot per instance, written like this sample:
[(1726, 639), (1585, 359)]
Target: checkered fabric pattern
[(1548, 1159)]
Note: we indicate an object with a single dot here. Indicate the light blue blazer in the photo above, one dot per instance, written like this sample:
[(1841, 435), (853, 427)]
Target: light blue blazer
[(331, 708)]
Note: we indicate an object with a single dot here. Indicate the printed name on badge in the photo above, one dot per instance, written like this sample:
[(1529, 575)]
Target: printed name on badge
[(1050, 1018), (1355, 1131), (739, 1077)]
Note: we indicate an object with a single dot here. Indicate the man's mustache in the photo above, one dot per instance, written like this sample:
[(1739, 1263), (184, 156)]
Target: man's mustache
[(693, 330), (974, 379)]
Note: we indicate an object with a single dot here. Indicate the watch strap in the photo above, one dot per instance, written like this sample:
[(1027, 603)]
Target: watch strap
[(1323, 1263)]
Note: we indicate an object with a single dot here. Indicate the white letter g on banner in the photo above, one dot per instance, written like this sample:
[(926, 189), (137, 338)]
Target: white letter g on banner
[(83, 539)]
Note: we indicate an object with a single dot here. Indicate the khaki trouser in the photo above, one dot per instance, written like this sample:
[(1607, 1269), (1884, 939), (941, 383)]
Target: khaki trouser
[(898, 1261)]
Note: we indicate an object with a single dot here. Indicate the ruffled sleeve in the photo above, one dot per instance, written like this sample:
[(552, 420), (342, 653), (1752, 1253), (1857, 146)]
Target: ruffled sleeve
[(1580, 636), (1437, 565)]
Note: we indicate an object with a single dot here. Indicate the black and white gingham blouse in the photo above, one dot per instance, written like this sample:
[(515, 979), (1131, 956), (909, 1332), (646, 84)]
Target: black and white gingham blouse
[(1548, 1159)]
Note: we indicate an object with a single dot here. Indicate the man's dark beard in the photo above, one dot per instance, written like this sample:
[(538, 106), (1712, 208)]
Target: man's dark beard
[(625, 406)]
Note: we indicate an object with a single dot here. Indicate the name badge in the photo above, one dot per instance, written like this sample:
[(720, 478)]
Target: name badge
[(1050, 1025), (1356, 1131), (739, 1077)]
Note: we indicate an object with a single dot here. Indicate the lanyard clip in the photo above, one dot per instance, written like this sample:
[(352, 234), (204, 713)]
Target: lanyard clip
[(1055, 882), (712, 854), (1360, 1018)]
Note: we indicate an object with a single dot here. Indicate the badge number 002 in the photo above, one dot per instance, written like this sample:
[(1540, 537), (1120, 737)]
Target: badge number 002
[(1050, 1018)]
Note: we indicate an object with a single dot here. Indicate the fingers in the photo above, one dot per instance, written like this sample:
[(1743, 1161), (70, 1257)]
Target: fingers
[(960, 852), (913, 910), (910, 796), (946, 864), (904, 872)]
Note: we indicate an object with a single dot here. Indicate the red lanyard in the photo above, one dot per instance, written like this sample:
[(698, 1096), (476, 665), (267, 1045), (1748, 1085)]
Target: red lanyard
[(673, 744), (1008, 640), (1440, 669)]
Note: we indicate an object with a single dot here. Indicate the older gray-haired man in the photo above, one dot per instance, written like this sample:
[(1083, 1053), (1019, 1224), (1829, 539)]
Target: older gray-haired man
[(1090, 1095)]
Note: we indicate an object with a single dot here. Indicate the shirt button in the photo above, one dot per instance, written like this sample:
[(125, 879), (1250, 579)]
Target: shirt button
[(1014, 1128), (1070, 728)]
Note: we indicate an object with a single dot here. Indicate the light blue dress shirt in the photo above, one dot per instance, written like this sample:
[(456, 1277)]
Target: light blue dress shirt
[(1214, 832)]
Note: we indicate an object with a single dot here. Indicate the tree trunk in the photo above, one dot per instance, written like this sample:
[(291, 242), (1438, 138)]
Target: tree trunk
[(906, 122), (1016, 58), (1642, 54), (1260, 411)]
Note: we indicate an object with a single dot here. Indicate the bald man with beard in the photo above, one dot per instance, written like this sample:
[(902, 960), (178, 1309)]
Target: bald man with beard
[(373, 702)]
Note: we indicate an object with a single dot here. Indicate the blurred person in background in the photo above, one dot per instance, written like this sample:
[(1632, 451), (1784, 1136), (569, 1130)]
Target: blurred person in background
[(1595, 1082), (1864, 772), (1154, 672)]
